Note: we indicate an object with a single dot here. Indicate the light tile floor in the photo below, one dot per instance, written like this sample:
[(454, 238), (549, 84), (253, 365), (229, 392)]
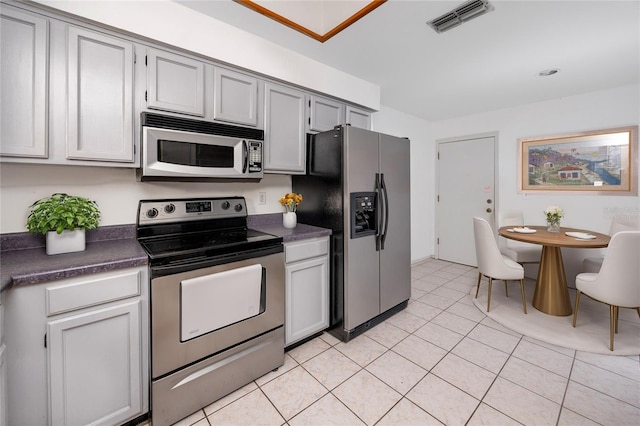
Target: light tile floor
[(440, 361)]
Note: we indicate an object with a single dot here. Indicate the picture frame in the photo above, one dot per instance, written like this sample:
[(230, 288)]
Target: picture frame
[(594, 162)]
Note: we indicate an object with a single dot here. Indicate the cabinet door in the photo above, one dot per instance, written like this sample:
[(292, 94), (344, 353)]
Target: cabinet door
[(95, 366), (175, 83), (307, 298), (100, 97), (23, 110), (358, 118), (285, 136), (235, 97), (324, 114)]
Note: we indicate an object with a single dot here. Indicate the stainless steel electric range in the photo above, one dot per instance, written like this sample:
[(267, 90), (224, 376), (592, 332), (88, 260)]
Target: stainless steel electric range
[(217, 301)]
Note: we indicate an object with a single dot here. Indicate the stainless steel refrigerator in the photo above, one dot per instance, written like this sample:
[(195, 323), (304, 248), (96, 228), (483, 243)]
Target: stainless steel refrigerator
[(358, 184)]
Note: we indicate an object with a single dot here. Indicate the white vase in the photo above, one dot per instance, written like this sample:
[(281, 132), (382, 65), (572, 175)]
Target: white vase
[(67, 242), (289, 219)]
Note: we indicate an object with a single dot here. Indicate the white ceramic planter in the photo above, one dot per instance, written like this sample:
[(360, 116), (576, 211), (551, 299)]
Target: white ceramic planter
[(67, 242), (289, 219)]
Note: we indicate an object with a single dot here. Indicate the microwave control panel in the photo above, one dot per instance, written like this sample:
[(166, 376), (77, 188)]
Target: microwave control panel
[(255, 157)]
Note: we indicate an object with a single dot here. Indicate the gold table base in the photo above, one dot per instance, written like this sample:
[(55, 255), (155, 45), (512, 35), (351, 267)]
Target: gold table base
[(552, 294)]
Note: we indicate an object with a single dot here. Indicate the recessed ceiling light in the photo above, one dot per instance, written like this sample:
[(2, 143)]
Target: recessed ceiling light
[(551, 71)]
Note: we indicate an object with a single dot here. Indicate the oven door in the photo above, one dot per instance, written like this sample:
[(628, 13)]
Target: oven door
[(199, 313), (168, 154)]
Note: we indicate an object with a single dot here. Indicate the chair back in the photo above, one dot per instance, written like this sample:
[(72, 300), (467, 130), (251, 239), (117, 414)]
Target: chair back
[(624, 223), (490, 261), (514, 218), (619, 276)]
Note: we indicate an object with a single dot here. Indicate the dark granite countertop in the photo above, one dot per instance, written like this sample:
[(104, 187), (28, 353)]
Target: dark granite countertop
[(272, 224), (23, 259)]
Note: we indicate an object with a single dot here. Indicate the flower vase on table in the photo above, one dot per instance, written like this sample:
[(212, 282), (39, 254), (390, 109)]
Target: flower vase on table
[(553, 226), (290, 203), (553, 214)]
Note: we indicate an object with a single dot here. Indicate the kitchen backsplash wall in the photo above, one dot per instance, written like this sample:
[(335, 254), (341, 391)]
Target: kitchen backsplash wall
[(116, 191)]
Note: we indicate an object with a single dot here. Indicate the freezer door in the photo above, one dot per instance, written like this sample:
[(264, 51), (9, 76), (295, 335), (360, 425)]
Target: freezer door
[(395, 257), (361, 260)]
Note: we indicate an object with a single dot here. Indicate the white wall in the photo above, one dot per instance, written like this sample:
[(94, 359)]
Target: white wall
[(116, 191), (598, 110)]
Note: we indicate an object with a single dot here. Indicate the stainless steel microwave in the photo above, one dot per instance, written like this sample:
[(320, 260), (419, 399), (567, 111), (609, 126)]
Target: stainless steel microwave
[(180, 149)]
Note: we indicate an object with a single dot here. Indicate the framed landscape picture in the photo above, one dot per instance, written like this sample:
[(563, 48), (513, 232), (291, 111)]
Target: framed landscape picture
[(601, 161)]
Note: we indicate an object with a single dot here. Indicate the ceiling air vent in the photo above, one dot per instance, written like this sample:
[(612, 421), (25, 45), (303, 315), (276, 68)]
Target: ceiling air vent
[(463, 13)]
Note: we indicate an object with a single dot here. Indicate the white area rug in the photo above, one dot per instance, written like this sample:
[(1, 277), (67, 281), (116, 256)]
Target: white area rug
[(592, 328)]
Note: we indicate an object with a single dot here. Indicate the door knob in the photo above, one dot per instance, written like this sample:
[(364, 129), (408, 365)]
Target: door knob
[(489, 210)]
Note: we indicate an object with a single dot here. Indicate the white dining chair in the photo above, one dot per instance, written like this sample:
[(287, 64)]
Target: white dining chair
[(493, 264), (517, 250), (618, 282), (618, 223)]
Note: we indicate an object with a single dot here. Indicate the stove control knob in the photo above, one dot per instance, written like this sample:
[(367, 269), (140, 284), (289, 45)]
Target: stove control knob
[(151, 213), (170, 208), (226, 205), (238, 207)]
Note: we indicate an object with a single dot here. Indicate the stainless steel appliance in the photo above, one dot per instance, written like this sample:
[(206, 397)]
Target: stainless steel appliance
[(217, 301), (175, 148), (357, 184)]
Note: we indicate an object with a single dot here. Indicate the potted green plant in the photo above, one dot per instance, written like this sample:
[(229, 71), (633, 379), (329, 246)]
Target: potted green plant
[(63, 219)]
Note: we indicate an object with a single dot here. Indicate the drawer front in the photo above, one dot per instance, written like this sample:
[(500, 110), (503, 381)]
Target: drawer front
[(306, 249), (78, 293)]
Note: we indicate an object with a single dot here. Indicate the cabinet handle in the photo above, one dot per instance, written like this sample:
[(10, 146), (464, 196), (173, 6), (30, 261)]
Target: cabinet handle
[(489, 210)]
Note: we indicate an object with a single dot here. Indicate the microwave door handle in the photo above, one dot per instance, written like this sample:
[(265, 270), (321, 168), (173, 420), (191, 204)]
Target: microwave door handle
[(245, 156)]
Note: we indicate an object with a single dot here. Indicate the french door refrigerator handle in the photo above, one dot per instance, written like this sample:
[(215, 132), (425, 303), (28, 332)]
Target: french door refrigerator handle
[(385, 197), (378, 211)]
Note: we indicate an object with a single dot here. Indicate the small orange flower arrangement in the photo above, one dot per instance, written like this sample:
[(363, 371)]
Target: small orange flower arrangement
[(290, 201)]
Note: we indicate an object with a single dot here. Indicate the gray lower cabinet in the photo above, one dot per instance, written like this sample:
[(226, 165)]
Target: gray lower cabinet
[(307, 288), (285, 136), (77, 350), (175, 83), (24, 42), (324, 113), (99, 96)]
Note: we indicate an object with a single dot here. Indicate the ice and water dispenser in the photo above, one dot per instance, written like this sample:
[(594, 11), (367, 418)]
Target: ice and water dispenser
[(363, 214)]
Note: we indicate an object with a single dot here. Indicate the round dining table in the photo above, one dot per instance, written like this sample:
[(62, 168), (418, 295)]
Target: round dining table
[(551, 295)]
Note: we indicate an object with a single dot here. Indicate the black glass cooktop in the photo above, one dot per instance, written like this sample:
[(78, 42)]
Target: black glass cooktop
[(208, 243)]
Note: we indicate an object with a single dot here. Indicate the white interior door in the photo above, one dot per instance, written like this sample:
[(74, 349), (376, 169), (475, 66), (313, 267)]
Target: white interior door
[(466, 179)]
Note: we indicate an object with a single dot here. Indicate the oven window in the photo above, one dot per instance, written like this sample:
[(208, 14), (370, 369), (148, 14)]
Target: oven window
[(195, 154)]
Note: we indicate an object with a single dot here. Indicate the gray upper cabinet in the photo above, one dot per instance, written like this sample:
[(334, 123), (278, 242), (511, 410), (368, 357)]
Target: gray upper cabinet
[(285, 136), (235, 97), (175, 83), (324, 114), (358, 117), (99, 97), (24, 58)]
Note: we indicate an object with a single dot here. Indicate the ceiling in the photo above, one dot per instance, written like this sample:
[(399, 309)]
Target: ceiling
[(488, 63)]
